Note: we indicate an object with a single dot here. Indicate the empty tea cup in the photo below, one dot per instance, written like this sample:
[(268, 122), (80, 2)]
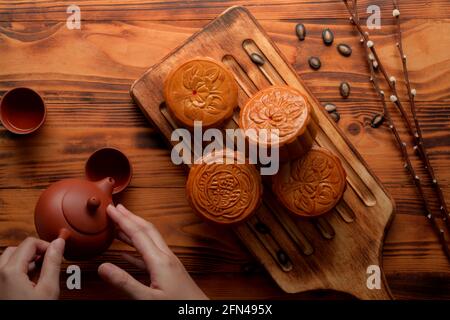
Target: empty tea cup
[(22, 110)]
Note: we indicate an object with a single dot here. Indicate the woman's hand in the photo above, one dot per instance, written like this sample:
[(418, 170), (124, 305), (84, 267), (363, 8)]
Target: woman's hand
[(17, 262), (168, 277)]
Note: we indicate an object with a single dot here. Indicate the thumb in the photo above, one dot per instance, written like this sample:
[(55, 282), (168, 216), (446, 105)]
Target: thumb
[(123, 281), (49, 278)]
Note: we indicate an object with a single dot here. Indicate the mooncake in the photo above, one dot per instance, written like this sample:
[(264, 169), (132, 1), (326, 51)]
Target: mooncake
[(224, 193), (311, 185), (286, 110), (203, 90)]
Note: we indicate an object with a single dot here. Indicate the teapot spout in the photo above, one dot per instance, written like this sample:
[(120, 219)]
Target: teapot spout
[(64, 233), (106, 185)]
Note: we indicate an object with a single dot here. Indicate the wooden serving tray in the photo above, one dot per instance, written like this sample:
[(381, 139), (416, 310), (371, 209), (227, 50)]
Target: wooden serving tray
[(331, 252)]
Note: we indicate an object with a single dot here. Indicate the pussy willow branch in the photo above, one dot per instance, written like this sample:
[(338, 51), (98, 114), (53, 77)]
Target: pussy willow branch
[(418, 135), (406, 158), (355, 9), (372, 56), (365, 36)]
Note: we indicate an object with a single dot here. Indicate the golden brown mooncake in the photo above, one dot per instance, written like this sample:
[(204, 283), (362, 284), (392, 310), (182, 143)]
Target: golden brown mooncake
[(224, 193), (201, 89), (311, 185), (285, 109)]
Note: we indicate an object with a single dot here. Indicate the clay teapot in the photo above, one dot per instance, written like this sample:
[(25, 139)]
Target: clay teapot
[(75, 209)]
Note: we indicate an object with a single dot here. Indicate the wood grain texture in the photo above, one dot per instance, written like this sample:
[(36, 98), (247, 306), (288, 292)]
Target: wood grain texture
[(109, 46), (206, 10), (85, 75)]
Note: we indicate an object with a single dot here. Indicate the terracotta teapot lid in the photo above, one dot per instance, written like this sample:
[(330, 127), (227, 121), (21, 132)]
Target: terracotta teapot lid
[(84, 206)]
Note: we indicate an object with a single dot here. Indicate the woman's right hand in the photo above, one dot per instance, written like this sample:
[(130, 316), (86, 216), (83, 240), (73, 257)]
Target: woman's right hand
[(168, 277)]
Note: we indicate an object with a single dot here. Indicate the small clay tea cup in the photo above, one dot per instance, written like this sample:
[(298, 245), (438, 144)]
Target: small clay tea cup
[(109, 162), (22, 110)]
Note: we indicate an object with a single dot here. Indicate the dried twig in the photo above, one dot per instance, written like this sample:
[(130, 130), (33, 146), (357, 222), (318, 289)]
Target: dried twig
[(370, 44), (408, 164), (418, 134), (374, 62)]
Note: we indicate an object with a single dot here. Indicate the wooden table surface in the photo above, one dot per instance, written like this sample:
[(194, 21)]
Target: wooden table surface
[(84, 76)]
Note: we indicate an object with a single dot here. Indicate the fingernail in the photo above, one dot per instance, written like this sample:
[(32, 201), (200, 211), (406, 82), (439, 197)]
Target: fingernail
[(59, 244), (110, 206), (122, 209), (106, 268)]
